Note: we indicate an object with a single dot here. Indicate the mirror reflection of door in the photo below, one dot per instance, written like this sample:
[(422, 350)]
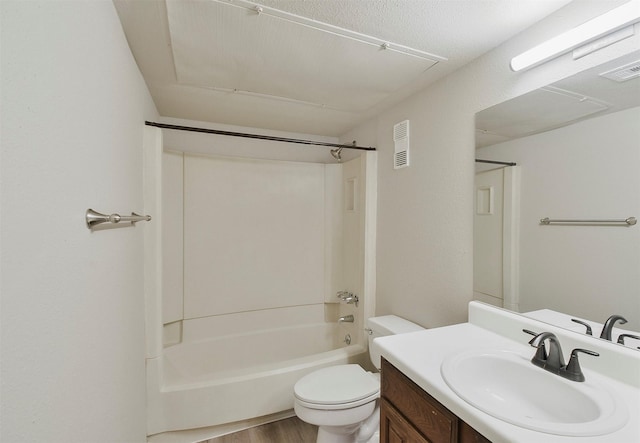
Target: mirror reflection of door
[(495, 237)]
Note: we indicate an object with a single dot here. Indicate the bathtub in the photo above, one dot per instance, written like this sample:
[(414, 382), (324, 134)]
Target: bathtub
[(240, 376)]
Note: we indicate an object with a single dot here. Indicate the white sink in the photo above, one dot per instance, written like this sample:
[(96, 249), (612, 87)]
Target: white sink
[(509, 387)]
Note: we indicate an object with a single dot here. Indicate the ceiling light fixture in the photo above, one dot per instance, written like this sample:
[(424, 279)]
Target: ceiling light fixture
[(614, 20)]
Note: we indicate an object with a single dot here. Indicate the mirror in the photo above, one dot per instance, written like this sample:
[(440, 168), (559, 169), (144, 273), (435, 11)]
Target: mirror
[(576, 144)]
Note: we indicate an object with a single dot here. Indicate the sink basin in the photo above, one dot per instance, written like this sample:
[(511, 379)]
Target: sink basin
[(509, 387)]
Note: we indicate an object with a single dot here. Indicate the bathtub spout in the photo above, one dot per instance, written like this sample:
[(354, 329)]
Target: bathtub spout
[(346, 319)]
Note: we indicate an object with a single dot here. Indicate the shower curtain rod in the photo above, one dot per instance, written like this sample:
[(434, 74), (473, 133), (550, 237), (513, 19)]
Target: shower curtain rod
[(496, 162), (257, 136)]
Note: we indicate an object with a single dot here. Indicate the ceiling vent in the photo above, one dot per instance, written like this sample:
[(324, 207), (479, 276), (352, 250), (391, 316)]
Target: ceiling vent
[(623, 73), (401, 145)]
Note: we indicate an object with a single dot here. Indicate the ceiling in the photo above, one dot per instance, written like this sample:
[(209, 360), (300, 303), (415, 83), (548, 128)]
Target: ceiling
[(308, 66)]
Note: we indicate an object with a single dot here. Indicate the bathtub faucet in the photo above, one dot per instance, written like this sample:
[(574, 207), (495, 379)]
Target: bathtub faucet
[(346, 319)]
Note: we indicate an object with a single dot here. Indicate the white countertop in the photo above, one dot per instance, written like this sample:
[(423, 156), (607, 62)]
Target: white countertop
[(419, 355)]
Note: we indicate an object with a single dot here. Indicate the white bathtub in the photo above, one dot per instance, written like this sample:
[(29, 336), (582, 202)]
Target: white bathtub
[(240, 376)]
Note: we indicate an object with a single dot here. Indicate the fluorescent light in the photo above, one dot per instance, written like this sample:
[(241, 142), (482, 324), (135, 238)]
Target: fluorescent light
[(616, 19)]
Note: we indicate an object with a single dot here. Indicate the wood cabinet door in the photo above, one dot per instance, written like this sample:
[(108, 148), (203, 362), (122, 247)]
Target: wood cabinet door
[(394, 428), (469, 435), (426, 414)]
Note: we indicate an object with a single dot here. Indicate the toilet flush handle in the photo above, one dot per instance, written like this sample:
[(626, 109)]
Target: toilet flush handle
[(368, 331)]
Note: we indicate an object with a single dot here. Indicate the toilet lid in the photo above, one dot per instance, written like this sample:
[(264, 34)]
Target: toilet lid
[(336, 385)]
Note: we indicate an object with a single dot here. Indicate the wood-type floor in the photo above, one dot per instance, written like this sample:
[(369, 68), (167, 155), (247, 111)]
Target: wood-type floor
[(291, 430)]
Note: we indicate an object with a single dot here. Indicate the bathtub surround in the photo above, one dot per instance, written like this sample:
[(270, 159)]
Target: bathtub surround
[(253, 235), (73, 104), (254, 249)]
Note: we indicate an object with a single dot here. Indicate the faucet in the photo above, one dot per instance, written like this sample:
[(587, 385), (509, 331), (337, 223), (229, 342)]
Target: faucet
[(608, 326), (554, 361), (348, 297), (346, 319)]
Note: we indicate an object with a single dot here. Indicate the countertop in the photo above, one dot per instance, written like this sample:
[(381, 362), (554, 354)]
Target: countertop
[(419, 356)]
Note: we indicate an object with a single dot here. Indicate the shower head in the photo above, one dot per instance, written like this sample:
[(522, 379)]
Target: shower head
[(337, 152)]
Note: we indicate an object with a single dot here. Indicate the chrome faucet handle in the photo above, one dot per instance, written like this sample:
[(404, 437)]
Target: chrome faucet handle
[(621, 337), (608, 326), (589, 330), (573, 371), (554, 361), (348, 297)]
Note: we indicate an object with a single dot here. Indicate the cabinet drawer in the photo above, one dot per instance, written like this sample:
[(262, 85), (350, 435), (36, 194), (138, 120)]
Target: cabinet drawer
[(427, 415)]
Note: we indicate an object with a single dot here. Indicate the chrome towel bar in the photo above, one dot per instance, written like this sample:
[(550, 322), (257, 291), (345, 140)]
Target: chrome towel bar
[(627, 221), (95, 218)]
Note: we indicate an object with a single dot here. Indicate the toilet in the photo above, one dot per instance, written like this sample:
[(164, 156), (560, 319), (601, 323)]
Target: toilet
[(343, 400)]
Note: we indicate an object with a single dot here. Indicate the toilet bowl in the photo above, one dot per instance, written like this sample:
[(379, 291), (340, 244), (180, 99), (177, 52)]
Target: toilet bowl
[(343, 400)]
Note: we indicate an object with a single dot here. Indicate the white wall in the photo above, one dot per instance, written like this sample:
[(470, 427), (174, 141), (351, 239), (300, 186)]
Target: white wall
[(73, 108), (425, 224), (586, 170)]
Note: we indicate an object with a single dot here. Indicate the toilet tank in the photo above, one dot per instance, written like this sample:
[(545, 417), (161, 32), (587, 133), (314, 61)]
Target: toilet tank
[(387, 325)]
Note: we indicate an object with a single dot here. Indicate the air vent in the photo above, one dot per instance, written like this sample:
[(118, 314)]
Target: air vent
[(623, 73), (401, 145)]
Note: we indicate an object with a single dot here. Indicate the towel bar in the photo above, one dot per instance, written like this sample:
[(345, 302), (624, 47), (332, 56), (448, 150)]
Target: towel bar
[(628, 221), (95, 218)]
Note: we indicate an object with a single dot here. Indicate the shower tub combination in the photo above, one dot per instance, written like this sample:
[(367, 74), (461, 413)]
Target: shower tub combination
[(238, 377), (238, 358)]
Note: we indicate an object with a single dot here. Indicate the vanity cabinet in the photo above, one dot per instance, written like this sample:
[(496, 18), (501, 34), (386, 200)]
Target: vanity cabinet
[(409, 415)]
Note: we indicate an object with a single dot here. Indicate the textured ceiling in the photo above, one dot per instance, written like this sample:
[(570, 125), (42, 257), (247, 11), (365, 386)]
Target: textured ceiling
[(308, 66), (283, 59)]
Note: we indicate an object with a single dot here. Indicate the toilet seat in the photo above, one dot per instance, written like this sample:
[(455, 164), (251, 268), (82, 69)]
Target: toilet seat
[(337, 387), (338, 406)]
